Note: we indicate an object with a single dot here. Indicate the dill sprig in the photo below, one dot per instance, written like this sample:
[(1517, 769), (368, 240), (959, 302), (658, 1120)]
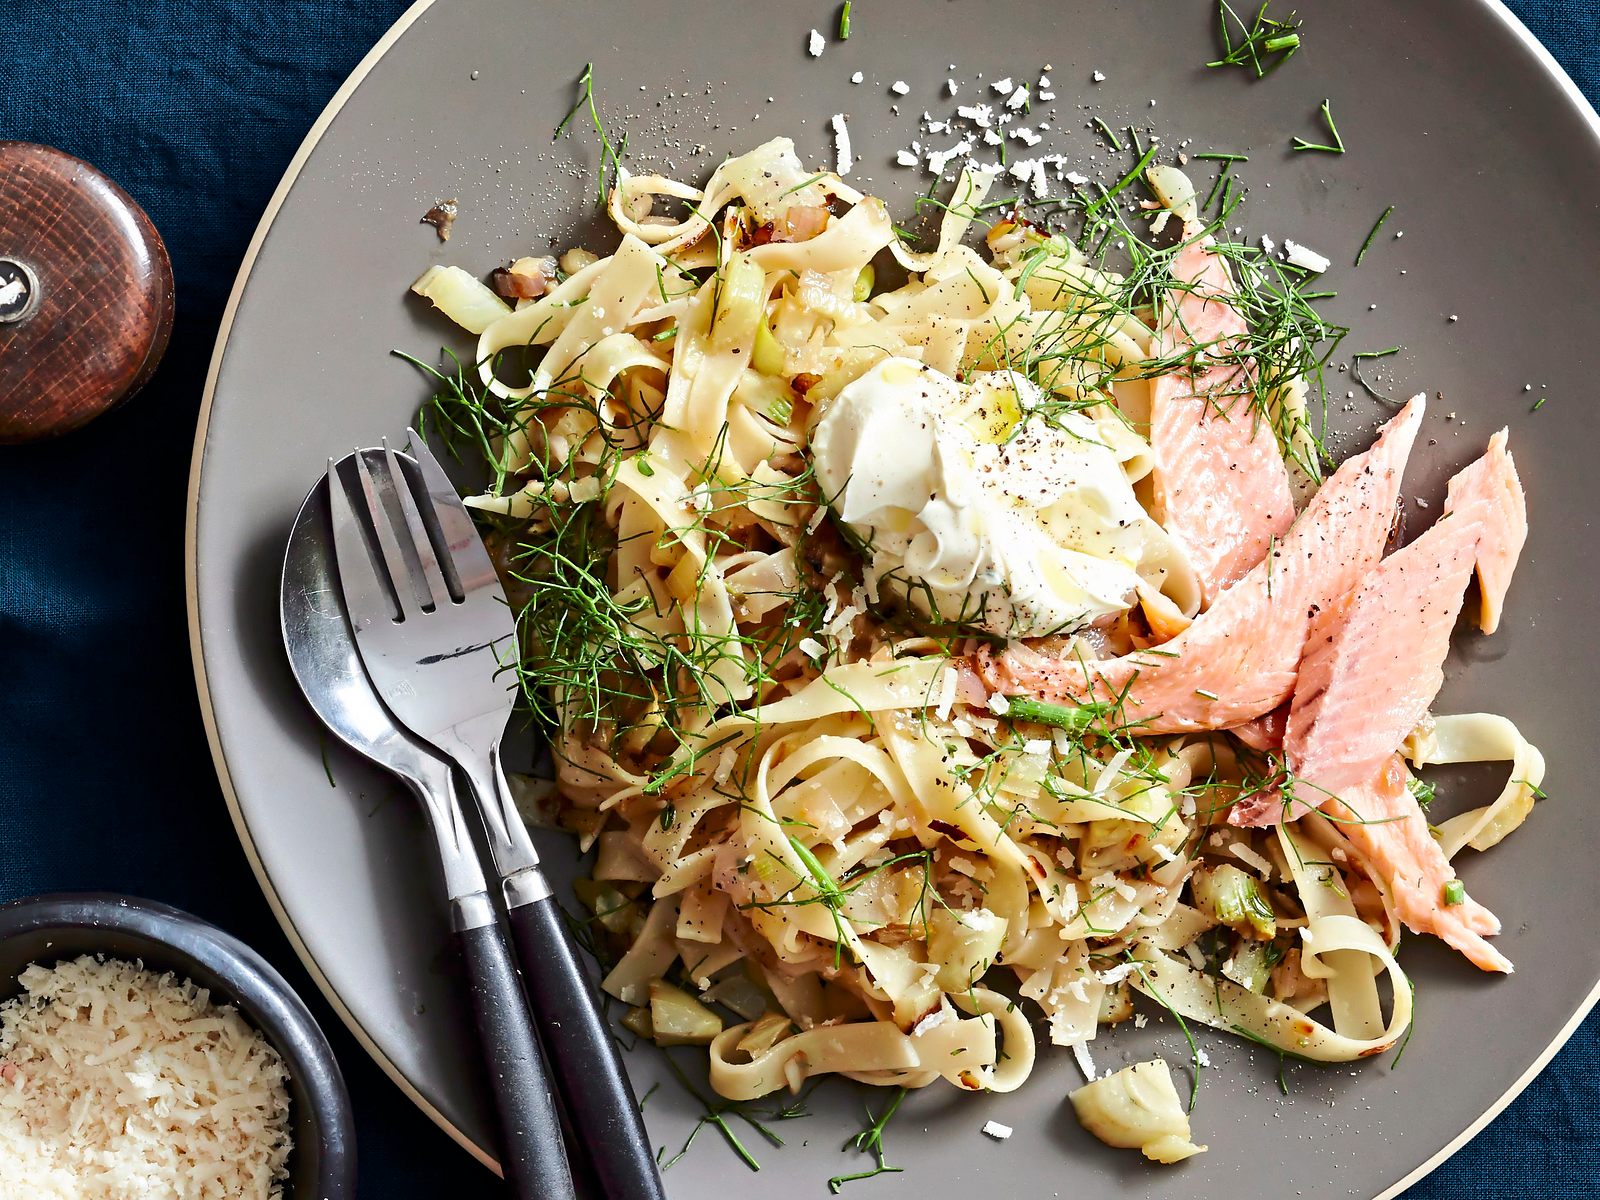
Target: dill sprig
[(715, 1115), (870, 1141), (1355, 371), (1154, 992), (610, 153), (1301, 143), (1263, 45)]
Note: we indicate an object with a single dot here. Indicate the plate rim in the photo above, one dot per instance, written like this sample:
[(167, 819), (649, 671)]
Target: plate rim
[(1496, 8)]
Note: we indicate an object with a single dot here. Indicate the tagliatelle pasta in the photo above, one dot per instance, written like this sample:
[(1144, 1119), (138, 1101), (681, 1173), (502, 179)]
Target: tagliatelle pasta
[(822, 847)]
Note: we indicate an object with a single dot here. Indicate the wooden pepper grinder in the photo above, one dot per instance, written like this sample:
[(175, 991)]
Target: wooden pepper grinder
[(85, 293)]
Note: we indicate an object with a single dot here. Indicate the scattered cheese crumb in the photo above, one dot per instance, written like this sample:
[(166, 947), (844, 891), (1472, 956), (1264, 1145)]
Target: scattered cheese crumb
[(1036, 747), (841, 146), (1018, 98), (899, 87), (815, 44), (947, 693), (857, 77), (1303, 256), (812, 648), (997, 1131), (1098, 77), (951, 87), (999, 705), (1001, 86), (1246, 855), (1026, 136), (1080, 1051), (939, 159), (907, 158)]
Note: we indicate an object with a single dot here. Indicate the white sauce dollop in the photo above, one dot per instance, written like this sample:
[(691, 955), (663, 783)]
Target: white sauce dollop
[(975, 511)]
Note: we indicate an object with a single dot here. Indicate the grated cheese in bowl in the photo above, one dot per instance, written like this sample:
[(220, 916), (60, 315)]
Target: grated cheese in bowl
[(117, 1083)]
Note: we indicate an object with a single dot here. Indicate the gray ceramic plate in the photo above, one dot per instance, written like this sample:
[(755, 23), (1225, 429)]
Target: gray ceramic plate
[(1451, 113)]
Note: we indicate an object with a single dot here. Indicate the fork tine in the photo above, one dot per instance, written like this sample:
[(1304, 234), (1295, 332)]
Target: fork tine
[(426, 556), (365, 594), (463, 546), (405, 583)]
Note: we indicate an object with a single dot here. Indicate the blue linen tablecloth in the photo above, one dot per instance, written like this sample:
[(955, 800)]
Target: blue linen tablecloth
[(105, 779)]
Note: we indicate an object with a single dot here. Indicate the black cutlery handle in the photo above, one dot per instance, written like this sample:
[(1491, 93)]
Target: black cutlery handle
[(532, 1155), (583, 1054)]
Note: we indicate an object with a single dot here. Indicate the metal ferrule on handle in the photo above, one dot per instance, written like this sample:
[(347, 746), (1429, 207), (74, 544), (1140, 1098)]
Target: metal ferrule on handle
[(516, 861)]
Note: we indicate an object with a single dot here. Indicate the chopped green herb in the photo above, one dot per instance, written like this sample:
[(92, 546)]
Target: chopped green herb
[(1262, 46), (1422, 790), (1300, 143), (1073, 717), (1455, 892), (844, 21), (1366, 245), (1215, 156), (1110, 135)]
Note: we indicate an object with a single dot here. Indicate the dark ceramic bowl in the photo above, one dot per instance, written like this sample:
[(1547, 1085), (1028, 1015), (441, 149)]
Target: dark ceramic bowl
[(47, 929)]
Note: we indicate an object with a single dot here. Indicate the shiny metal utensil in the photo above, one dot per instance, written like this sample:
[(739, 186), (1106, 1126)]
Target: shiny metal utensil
[(435, 632), (327, 666)]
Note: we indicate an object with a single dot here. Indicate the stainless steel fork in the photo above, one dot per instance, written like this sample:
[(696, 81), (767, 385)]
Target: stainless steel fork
[(437, 638)]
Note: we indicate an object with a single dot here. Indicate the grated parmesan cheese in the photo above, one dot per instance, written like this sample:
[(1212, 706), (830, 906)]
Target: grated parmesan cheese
[(814, 44), (116, 1082), (1250, 858), (841, 146), (1080, 1051), (997, 1131), (1304, 256)]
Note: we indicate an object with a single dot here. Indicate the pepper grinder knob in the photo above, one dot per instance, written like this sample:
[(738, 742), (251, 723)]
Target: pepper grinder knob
[(86, 295)]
